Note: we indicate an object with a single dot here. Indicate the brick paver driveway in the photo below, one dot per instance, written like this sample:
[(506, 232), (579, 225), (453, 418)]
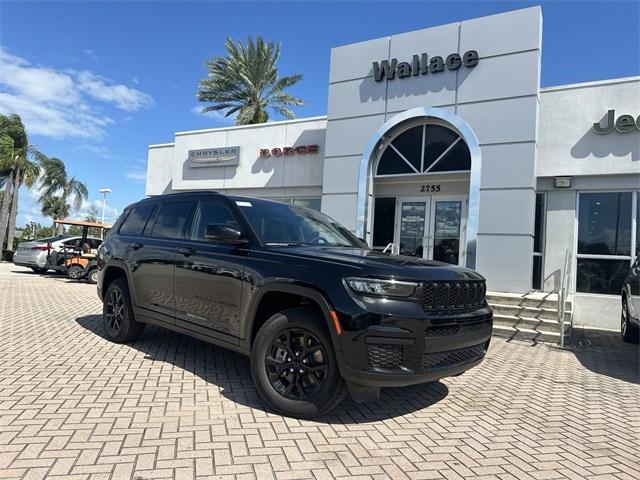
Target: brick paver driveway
[(73, 404)]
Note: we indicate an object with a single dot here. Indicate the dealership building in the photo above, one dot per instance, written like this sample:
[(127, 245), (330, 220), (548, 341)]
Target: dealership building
[(440, 143)]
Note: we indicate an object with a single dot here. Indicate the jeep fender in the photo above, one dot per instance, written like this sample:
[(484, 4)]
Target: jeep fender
[(303, 291)]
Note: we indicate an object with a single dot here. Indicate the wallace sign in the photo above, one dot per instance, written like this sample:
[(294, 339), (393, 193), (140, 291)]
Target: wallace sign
[(421, 64)]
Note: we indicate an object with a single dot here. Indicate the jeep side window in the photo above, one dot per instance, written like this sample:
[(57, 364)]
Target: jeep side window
[(136, 220), (171, 220), (210, 213)]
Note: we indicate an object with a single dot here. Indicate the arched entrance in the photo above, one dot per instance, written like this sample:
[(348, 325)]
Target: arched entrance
[(419, 187)]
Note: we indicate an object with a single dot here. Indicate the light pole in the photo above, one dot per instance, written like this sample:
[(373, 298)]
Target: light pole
[(104, 192)]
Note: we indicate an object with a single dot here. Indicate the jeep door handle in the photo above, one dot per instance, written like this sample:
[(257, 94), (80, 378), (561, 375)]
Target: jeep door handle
[(136, 245), (186, 251)]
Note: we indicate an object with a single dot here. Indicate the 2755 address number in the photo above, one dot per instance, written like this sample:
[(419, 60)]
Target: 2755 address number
[(429, 188)]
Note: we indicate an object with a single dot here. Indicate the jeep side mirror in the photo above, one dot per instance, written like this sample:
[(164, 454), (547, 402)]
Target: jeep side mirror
[(226, 234)]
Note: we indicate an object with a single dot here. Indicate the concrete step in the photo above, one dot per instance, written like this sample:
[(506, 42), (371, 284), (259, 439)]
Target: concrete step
[(528, 312), (526, 323), (536, 336), (545, 300)]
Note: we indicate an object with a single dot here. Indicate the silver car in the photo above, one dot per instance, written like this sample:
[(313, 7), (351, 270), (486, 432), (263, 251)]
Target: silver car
[(33, 254)]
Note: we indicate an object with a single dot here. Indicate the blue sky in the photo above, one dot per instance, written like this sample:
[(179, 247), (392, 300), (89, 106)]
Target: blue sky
[(96, 82)]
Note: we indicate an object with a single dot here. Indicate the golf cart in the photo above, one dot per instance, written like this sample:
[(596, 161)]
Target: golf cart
[(78, 259)]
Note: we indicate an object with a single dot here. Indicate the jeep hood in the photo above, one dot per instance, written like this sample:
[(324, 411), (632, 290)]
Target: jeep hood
[(376, 264)]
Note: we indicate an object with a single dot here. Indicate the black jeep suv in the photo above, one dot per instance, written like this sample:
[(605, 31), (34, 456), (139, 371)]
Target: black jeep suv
[(318, 312)]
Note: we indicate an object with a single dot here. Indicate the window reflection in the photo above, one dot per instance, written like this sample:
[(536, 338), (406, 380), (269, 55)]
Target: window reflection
[(604, 224)]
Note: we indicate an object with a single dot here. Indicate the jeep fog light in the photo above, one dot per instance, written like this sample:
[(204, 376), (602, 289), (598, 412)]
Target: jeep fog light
[(381, 288)]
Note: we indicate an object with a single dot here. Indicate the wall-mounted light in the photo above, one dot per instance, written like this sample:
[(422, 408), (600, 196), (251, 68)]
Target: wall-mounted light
[(562, 182)]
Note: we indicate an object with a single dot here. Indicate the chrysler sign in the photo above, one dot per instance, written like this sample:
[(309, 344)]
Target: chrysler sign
[(421, 65), (214, 157)]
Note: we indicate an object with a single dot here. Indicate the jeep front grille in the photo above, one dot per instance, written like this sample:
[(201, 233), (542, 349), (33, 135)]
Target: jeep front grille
[(453, 357), (452, 295)]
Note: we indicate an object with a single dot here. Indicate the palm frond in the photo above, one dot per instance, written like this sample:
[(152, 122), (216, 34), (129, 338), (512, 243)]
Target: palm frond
[(246, 82)]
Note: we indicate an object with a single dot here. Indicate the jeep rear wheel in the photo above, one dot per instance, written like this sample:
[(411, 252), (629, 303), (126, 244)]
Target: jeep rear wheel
[(119, 323), (293, 365)]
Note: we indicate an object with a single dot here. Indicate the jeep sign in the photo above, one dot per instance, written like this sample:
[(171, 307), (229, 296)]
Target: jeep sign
[(624, 124), (420, 64)]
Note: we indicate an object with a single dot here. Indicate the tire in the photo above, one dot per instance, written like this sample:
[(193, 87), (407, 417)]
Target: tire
[(277, 374), (75, 272), (39, 270), (118, 320), (92, 276), (628, 330)]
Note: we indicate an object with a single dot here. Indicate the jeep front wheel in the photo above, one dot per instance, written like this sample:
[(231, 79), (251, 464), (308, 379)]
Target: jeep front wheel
[(293, 365)]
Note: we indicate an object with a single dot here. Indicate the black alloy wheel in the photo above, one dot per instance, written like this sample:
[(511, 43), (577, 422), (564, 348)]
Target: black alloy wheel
[(296, 364), (114, 312), (118, 320), (293, 364)]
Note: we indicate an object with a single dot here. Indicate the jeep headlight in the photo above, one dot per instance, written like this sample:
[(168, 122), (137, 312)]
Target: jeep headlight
[(381, 288)]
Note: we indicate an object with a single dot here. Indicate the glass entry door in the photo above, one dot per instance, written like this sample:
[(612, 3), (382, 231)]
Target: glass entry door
[(412, 221), (431, 227), (447, 227)]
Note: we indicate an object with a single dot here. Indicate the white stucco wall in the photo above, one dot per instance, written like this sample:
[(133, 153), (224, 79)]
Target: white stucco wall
[(168, 168), (159, 169), (497, 99), (567, 143)]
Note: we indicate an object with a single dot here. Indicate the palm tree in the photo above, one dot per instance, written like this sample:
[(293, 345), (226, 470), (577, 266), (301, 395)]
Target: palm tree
[(57, 189), (26, 172), (246, 82), (16, 167)]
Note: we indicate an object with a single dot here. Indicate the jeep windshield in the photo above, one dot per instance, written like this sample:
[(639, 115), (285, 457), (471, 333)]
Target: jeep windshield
[(282, 225)]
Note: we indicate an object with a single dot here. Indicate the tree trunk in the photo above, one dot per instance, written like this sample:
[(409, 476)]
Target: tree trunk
[(13, 212), (4, 210)]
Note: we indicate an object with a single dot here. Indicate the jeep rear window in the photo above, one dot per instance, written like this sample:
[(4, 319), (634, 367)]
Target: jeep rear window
[(171, 220), (136, 220)]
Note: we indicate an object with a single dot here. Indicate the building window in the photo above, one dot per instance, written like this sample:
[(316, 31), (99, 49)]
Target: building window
[(605, 248), (312, 203), (424, 149), (538, 242)]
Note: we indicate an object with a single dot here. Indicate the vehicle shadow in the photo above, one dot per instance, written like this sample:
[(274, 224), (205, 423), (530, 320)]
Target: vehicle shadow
[(230, 372), (605, 353)]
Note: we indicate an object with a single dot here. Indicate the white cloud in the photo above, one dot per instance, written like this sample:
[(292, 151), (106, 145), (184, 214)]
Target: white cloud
[(136, 175), (136, 171), (123, 97), (62, 103), (97, 150), (110, 213), (217, 115)]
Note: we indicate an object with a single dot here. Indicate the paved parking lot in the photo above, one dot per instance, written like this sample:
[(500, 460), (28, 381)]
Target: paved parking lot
[(73, 405)]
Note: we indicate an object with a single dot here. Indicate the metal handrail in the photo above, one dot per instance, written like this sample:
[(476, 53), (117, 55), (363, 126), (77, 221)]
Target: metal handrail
[(562, 294), (395, 250)]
